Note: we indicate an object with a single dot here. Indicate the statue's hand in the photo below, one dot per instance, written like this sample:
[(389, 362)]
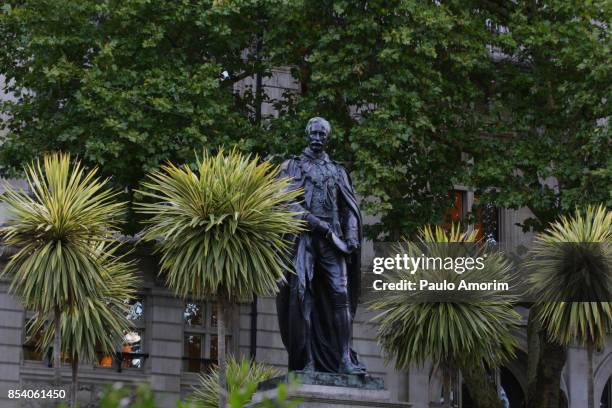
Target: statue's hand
[(318, 225), (352, 244)]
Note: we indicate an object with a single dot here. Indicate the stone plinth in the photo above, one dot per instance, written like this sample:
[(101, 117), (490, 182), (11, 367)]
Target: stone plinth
[(328, 390)]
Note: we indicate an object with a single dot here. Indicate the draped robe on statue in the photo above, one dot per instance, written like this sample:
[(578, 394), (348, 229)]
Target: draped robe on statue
[(310, 292)]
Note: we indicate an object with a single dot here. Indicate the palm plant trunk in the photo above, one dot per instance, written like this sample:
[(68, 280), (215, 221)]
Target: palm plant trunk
[(57, 346), (75, 387), (590, 385), (221, 303), (533, 354), (548, 379), (481, 388)]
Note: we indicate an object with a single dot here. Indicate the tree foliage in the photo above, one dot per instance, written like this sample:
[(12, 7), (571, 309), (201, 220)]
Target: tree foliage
[(522, 88), (223, 231), (123, 85), (547, 144), (65, 233), (401, 82), (96, 325)]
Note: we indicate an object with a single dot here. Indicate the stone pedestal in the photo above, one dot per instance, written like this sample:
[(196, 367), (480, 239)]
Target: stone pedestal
[(328, 390)]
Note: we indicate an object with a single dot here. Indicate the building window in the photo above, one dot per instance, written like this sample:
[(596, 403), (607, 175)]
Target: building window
[(136, 309), (457, 212), (31, 349), (200, 336), (131, 353), (193, 353), (487, 222), (31, 343)]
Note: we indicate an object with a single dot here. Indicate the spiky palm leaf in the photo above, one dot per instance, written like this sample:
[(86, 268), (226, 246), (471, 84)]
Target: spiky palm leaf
[(56, 229), (455, 328), (97, 324), (239, 374), (572, 260), (221, 229)]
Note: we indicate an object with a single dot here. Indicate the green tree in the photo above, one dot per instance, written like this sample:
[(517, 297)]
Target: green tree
[(401, 83), (464, 332), (64, 231), (124, 85), (222, 231), (127, 85), (95, 325), (572, 260), (546, 144)]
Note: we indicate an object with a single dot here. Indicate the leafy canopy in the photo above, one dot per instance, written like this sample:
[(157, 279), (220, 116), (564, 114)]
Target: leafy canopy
[(123, 85), (400, 82), (221, 229), (408, 87), (546, 144), (63, 229)]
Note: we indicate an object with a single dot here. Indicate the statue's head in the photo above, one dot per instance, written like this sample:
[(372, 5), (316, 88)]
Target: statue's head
[(317, 133)]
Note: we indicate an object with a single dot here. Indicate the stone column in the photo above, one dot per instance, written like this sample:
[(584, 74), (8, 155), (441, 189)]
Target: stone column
[(577, 387), (165, 346), (418, 386), (11, 326)]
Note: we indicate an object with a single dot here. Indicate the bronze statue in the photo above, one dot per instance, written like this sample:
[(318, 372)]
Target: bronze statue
[(317, 305)]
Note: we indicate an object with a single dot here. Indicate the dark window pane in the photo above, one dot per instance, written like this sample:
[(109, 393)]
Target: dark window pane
[(192, 315), (213, 314), (214, 350), (132, 343), (30, 352), (30, 347), (193, 353), (104, 360), (136, 309)]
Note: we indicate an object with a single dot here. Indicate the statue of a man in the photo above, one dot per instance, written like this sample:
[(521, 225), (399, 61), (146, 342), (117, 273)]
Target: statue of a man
[(317, 305)]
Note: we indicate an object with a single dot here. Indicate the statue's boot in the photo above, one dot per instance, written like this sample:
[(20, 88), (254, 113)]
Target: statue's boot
[(309, 366), (343, 322), (347, 367)]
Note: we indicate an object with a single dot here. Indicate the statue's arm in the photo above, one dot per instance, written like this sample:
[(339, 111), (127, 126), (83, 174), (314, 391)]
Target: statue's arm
[(350, 227), (287, 170), (349, 220)]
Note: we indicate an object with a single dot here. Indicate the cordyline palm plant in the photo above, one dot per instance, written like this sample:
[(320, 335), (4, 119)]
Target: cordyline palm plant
[(96, 325), (464, 331), (58, 228), (239, 374), (221, 229), (569, 273)]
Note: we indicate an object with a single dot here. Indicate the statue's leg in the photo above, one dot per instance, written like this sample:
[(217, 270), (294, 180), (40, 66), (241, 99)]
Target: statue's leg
[(309, 364), (333, 266)]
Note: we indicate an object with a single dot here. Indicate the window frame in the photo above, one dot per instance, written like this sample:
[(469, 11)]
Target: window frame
[(139, 326), (206, 331)]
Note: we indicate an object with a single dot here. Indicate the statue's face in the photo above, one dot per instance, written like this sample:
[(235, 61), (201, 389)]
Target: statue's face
[(317, 137)]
